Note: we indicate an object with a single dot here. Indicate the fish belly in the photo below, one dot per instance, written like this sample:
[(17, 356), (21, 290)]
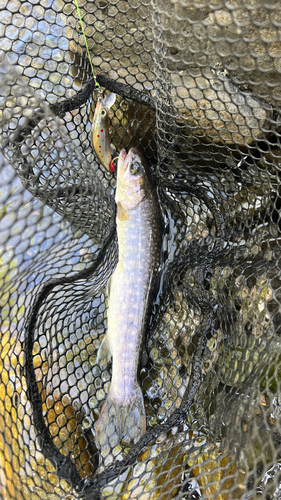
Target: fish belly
[(123, 413)]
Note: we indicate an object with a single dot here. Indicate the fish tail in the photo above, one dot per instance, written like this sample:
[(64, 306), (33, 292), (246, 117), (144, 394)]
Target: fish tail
[(121, 423)]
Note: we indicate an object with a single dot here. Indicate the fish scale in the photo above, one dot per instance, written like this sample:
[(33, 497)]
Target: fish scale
[(131, 287)]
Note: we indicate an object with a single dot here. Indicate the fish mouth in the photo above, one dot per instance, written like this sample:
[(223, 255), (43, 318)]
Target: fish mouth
[(133, 151), (123, 154), (121, 165), (125, 159)]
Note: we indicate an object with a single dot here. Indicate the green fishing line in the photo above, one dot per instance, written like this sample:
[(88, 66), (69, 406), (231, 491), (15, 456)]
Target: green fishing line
[(86, 43)]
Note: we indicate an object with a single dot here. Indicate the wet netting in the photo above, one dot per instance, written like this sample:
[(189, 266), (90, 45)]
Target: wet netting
[(198, 89)]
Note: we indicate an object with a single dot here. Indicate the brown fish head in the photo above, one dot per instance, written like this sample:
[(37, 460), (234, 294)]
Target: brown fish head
[(133, 179)]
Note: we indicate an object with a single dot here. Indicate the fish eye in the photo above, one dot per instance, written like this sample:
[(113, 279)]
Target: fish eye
[(136, 168), (103, 112)]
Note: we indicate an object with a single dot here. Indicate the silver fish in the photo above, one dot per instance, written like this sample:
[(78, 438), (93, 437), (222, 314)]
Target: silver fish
[(138, 230)]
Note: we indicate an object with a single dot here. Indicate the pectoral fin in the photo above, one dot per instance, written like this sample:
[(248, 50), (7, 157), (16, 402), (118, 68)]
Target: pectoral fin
[(104, 354), (121, 212)]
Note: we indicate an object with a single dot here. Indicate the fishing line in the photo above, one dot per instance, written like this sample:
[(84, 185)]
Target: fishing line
[(86, 43), (111, 167)]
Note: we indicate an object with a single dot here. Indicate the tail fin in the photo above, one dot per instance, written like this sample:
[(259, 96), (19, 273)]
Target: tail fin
[(121, 423)]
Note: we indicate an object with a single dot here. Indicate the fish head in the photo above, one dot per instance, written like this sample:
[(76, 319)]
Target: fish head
[(133, 179)]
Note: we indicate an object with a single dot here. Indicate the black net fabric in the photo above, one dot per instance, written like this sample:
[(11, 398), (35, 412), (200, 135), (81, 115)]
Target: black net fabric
[(198, 92)]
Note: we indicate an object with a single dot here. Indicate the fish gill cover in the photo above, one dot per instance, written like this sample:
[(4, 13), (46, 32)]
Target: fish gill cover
[(198, 92)]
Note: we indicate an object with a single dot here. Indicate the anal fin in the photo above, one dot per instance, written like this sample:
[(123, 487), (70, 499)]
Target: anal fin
[(104, 354)]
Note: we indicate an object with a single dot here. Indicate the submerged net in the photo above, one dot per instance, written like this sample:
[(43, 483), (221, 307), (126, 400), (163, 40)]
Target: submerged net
[(198, 91)]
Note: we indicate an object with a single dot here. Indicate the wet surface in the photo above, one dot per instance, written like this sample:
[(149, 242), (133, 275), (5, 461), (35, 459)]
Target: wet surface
[(211, 376)]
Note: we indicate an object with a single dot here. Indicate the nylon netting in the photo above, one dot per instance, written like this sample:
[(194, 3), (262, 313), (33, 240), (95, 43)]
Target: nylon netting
[(198, 92)]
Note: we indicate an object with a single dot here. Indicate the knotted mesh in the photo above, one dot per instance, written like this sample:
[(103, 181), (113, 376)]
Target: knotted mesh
[(198, 92)]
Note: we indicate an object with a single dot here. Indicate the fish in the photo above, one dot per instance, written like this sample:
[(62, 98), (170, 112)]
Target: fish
[(100, 131), (130, 297)]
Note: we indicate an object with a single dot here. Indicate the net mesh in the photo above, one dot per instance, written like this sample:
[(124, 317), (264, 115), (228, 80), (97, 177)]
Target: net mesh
[(198, 92)]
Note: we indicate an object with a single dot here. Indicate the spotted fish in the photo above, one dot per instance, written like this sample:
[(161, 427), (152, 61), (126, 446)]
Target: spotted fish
[(100, 131), (131, 286)]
